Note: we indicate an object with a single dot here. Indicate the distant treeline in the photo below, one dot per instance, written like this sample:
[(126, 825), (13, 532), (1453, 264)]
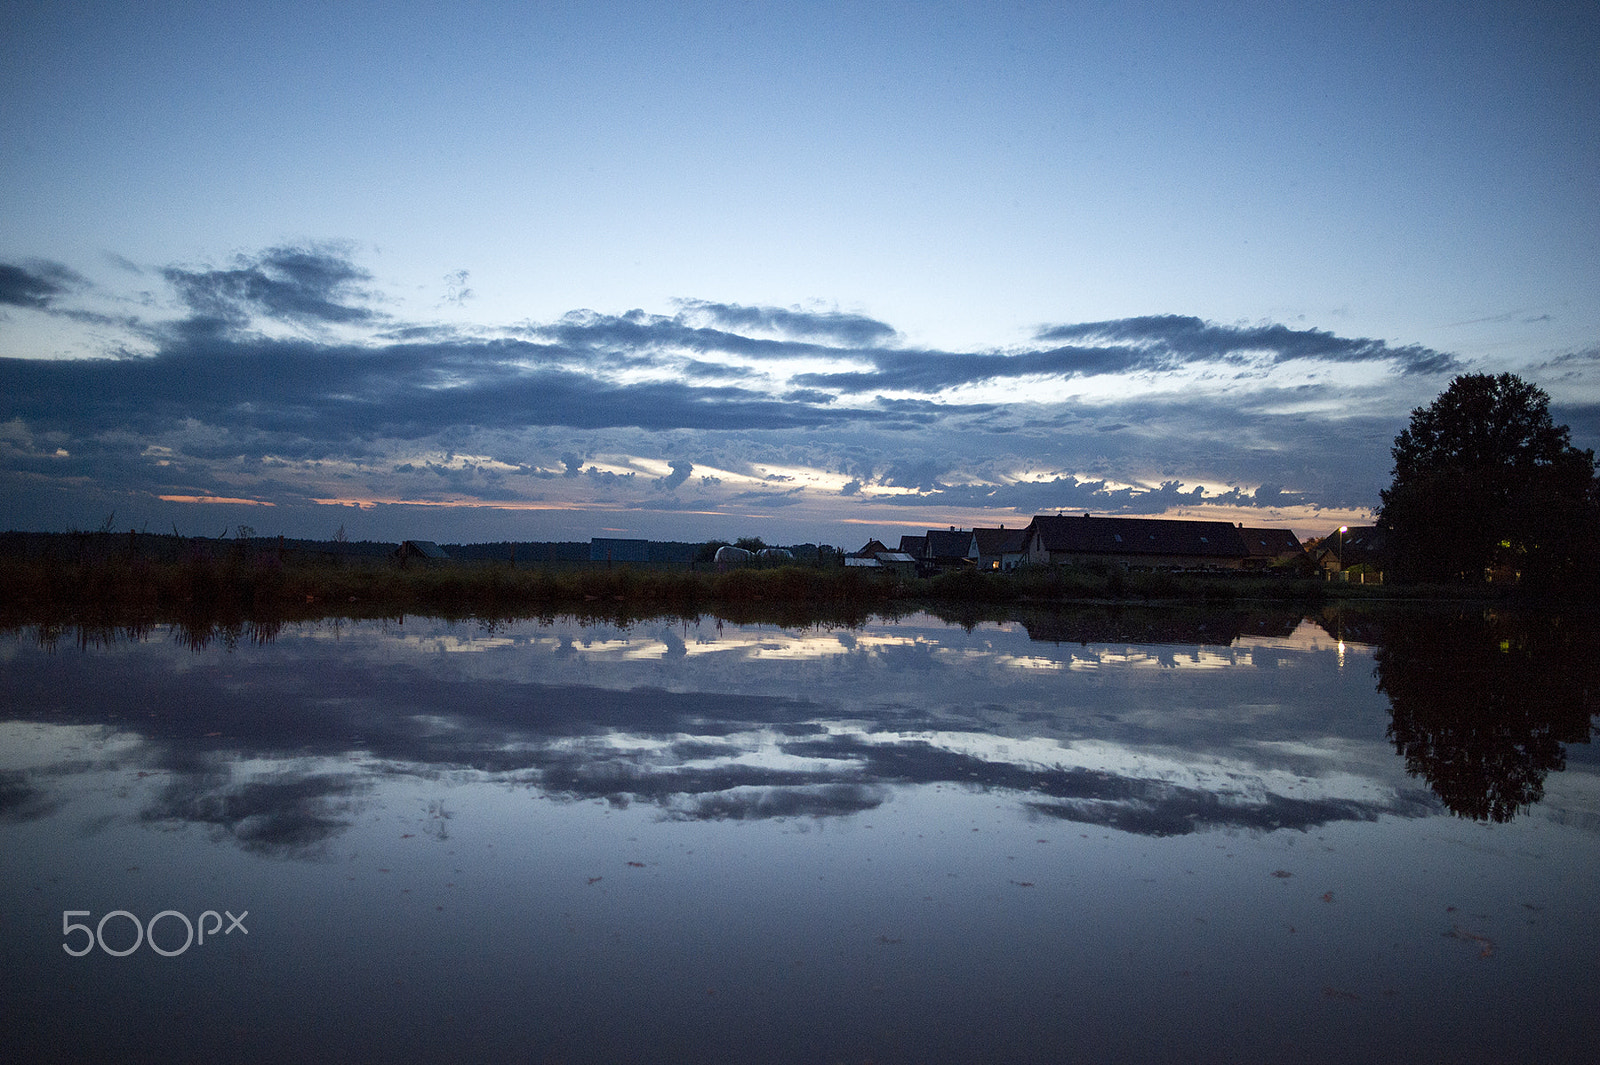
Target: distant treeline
[(172, 547), (532, 552), (139, 576)]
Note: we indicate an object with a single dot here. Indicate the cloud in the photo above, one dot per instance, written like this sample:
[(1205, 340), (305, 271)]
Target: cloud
[(680, 473), (922, 473), (764, 498), (636, 337), (282, 383), (36, 283), (456, 290), (335, 392), (1185, 338), (1157, 344), (300, 285), (850, 330)]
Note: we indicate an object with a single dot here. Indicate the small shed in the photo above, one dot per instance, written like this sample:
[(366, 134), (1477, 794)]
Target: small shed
[(897, 562), (426, 550)]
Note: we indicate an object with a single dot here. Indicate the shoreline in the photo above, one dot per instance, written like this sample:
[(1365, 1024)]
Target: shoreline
[(241, 589)]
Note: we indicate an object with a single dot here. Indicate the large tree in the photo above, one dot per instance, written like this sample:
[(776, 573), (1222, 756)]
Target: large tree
[(1485, 481)]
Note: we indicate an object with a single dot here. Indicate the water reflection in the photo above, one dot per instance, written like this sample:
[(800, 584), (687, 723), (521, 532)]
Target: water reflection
[(681, 840), (1484, 704), (714, 722), (1482, 707)]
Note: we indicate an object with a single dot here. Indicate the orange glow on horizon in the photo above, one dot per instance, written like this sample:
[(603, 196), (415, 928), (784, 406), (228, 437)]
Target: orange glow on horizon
[(368, 504), (218, 499), (479, 504)]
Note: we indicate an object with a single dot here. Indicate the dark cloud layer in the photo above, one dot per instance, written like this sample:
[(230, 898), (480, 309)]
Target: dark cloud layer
[(306, 286), (36, 283), (283, 355), (338, 392), (851, 330), (1196, 340)]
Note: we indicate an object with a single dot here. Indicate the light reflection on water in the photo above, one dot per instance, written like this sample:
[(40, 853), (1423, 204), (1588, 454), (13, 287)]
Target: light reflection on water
[(1146, 837)]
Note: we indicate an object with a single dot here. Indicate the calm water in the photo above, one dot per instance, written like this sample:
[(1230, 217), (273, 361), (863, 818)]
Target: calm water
[(1092, 837)]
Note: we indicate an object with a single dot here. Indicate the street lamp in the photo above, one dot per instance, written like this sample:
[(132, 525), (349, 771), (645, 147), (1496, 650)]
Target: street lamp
[(1342, 530)]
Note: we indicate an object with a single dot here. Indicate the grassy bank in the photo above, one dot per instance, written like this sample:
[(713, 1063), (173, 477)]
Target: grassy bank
[(234, 597), (263, 584)]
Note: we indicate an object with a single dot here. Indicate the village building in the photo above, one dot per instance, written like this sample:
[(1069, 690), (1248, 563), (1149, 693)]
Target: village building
[(1275, 549), (1136, 543), (425, 550), (915, 546), (947, 549), (1352, 553), (998, 550)]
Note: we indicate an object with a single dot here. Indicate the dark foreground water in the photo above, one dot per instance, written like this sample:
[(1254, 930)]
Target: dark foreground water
[(1095, 837)]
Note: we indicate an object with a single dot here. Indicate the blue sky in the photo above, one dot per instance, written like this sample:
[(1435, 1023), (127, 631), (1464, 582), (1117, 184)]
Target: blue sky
[(818, 272)]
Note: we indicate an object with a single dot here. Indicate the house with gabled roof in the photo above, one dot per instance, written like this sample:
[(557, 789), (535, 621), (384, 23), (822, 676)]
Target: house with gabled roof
[(1353, 547), (1275, 549), (947, 548), (915, 546), (999, 549), (1136, 543)]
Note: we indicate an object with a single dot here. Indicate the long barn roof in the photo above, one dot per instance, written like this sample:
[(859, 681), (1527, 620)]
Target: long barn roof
[(1140, 536)]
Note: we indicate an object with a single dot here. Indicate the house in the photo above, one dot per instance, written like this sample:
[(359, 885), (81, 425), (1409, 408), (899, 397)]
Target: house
[(915, 546), (999, 549), (872, 549), (1352, 552), (945, 549), (1275, 549), (1136, 543), (426, 550)]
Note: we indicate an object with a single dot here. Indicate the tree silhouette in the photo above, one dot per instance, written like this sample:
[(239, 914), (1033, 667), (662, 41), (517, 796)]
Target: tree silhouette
[(1484, 480)]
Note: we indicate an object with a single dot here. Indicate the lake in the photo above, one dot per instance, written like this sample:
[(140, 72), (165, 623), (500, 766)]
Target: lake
[(1100, 836)]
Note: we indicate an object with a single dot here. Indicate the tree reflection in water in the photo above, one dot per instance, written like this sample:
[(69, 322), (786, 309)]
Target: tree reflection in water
[(1483, 704)]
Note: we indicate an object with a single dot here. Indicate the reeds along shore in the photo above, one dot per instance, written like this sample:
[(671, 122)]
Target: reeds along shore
[(263, 582)]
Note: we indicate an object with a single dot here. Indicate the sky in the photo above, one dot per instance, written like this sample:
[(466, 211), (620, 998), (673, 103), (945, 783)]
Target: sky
[(814, 272)]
